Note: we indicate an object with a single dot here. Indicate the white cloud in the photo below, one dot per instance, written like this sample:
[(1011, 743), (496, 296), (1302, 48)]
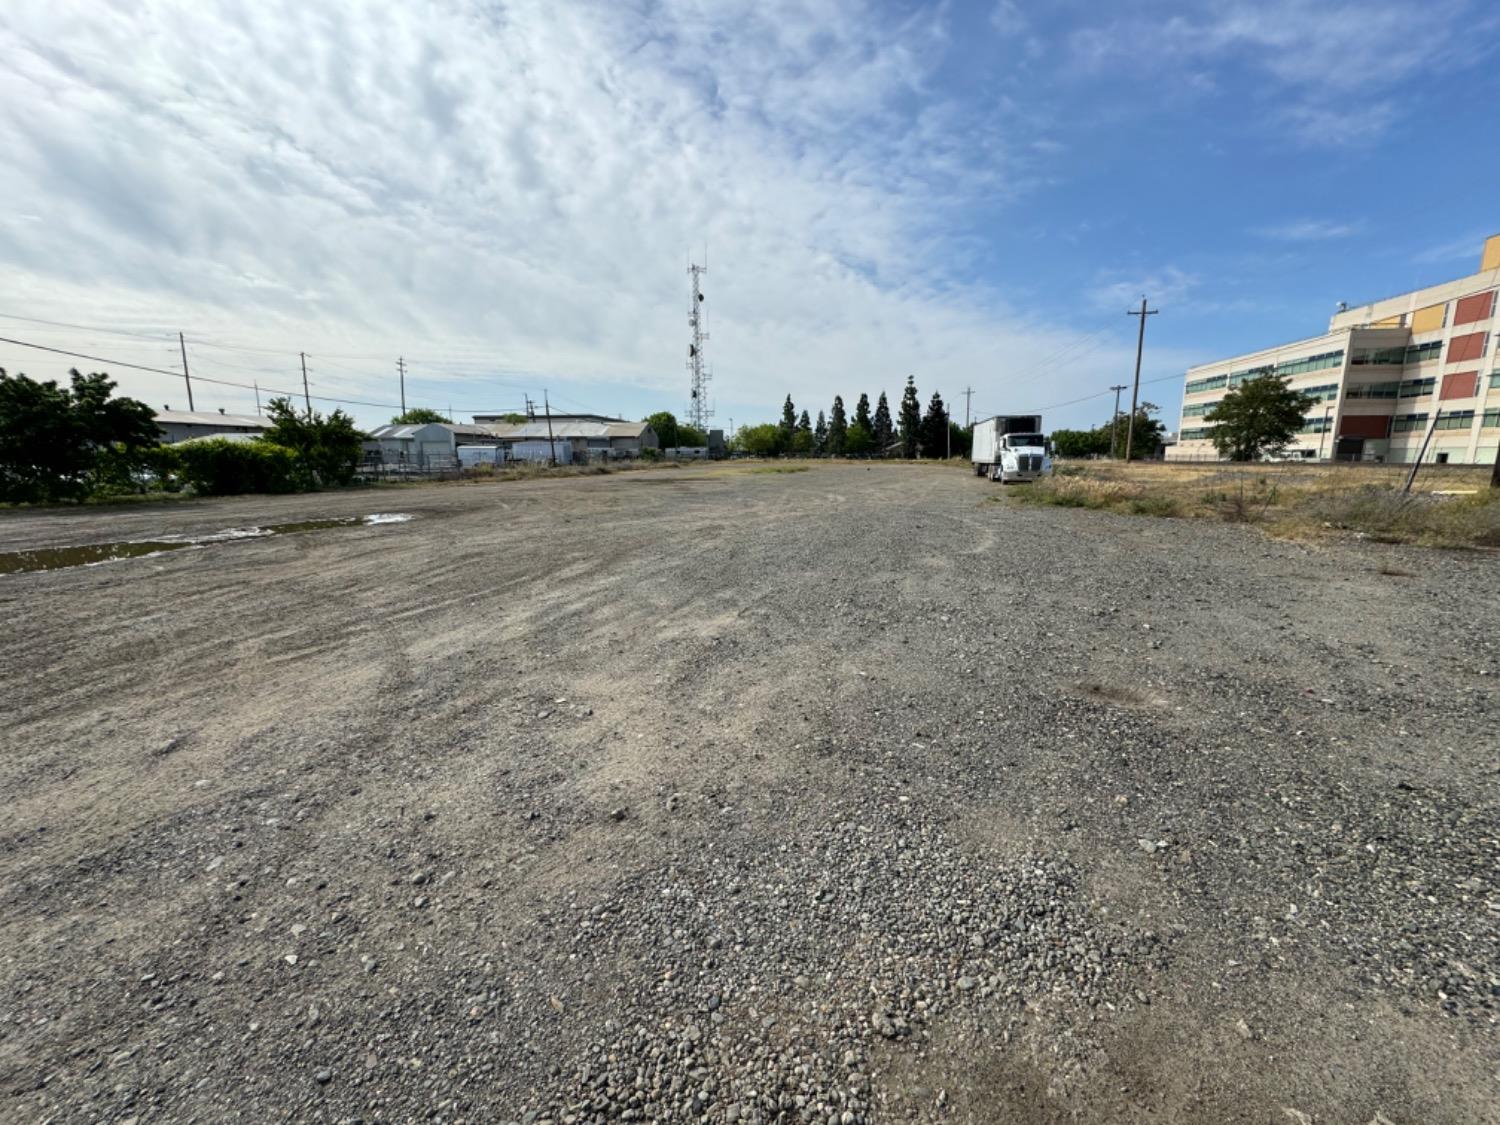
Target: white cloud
[(502, 191), (1309, 230), (1166, 286)]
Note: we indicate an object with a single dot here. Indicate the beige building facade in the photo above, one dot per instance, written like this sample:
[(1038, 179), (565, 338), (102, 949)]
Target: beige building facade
[(1381, 377)]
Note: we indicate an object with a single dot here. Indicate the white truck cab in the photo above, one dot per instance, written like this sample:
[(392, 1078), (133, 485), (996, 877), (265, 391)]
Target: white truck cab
[(1011, 447)]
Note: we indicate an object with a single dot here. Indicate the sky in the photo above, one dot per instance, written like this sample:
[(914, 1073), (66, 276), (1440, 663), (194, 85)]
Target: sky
[(508, 194)]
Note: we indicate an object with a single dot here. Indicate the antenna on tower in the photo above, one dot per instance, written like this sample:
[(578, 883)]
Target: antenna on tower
[(698, 411)]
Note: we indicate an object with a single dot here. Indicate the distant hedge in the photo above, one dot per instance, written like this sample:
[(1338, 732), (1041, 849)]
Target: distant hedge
[(223, 468)]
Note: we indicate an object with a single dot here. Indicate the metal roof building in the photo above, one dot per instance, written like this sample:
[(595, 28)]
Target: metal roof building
[(587, 437), (179, 425)]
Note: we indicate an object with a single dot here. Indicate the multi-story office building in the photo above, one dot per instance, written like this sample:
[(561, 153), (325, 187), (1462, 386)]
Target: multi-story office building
[(1380, 377)]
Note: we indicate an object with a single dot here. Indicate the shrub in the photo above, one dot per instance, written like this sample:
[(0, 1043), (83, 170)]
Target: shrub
[(223, 468)]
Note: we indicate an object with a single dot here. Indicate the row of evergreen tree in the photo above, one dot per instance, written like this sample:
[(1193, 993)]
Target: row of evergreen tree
[(871, 433)]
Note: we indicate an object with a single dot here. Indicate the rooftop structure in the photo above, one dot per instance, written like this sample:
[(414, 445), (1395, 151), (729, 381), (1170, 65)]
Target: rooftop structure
[(179, 425)]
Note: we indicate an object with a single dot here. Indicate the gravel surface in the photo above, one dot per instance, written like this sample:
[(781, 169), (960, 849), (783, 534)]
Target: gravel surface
[(713, 795)]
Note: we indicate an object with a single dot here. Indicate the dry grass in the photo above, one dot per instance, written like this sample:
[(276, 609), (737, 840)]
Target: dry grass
[(1291, 501)]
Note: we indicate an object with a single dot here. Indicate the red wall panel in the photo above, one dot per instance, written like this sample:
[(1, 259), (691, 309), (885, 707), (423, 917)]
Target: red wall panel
[(1364, 425), (1477, 307), (1461, 349), (1463, 384)]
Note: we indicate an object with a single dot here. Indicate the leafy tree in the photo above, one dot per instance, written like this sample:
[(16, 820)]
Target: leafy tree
[(1149, 433), (1081, 443), (664, 423), (961, 437), (934, 429), (859, 441), (804, 423), (788, 422), (862, 413), (1259, 417), (690, 435), (838, 428), (820, 436), (762, 441), (328, 449), (802, 442), (60, 444), (883, 430), (219, 467), (418, 416), (514, 419), (911, 419)]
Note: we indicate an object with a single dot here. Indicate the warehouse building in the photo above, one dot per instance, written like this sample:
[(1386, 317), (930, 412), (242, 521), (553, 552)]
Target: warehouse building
[(587, 439), (1380, 377), (180, 425), (432, 445)]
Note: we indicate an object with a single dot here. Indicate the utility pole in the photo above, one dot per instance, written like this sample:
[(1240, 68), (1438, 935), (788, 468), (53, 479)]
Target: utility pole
[(305, 396), (551, 448), (968, 394), (257, 396), (1114, 423), (401, 368), (1135, 394), (186, 378)]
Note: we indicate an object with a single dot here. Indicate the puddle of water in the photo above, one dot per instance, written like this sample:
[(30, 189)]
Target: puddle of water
[(92, 554)]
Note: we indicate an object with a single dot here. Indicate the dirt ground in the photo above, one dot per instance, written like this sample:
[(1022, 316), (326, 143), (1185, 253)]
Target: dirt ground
[(718, 794)]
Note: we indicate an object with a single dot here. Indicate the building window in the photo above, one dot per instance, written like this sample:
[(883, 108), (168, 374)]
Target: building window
[(1490, 420), (1372, 390), (1198, 409), (1421, 353), (1212, 383), (1318, 425), (1321, 394), (1311, 363), (1457, 420), (1416, 388), (1199, 433), (1409, 422)]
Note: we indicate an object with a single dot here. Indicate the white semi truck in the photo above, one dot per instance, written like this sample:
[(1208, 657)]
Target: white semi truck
[(1011, 447)]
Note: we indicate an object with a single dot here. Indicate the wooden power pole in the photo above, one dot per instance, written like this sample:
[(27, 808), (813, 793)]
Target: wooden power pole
[(1135, 394), (186, 378)]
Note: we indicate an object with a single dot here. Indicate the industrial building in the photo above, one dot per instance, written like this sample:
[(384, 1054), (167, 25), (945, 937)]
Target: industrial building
[(587, 437), (1381, 376), (432, 445), (180, 425)]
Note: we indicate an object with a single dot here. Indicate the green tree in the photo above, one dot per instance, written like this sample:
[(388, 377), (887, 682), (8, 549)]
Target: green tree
[(961, 437), (911, 419), (934, 429), (804, 423), (788, 423), (690, 435), (1258, 418), (1081, 443), (859, 441), (664, 423), (862, 414), (58, 444), (1148, 437), (417, 416), (761, 441), (838, 428), (327, 449), (883, 430), (820, 436)]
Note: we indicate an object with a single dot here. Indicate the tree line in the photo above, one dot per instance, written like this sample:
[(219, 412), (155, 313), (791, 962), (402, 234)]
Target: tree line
[(870, 433), (79, 442)]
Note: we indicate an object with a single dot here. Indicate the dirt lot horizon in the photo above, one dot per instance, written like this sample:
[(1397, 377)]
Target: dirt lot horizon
[(719, 794)]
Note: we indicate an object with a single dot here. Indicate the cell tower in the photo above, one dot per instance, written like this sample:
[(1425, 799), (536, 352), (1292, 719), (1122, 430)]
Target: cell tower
[(698, 411)]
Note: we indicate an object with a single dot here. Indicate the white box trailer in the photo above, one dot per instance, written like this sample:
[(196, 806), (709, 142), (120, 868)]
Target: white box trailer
[(1011, 447)]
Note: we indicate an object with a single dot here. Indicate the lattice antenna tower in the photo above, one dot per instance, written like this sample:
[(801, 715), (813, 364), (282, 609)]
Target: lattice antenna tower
[(698, 411)]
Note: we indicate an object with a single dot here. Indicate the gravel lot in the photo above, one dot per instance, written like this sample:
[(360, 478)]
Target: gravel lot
[(720, 795)]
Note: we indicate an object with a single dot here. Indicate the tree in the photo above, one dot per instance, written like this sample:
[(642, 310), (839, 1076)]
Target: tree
[(961, 438), (58, 444), (761, 441), (934, 431), (1081, 443), (664, 424), (804, 423), (417, 416), (820, 436), (690, 436), (328, 449), (788, 423), (859, 440), (911, 419), (883, 430), (1260, 417), (862, 413), (838, 428), (1149, 433)]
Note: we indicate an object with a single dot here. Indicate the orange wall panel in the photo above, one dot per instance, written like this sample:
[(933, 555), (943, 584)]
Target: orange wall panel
[(1462, 349), (1462, 384), (1429, 319), (1475, 308), (1364, 425), (1388, 322), (1491, 259)]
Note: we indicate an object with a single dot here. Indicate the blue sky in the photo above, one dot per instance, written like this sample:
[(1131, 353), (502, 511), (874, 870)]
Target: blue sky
[(508, 194)]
